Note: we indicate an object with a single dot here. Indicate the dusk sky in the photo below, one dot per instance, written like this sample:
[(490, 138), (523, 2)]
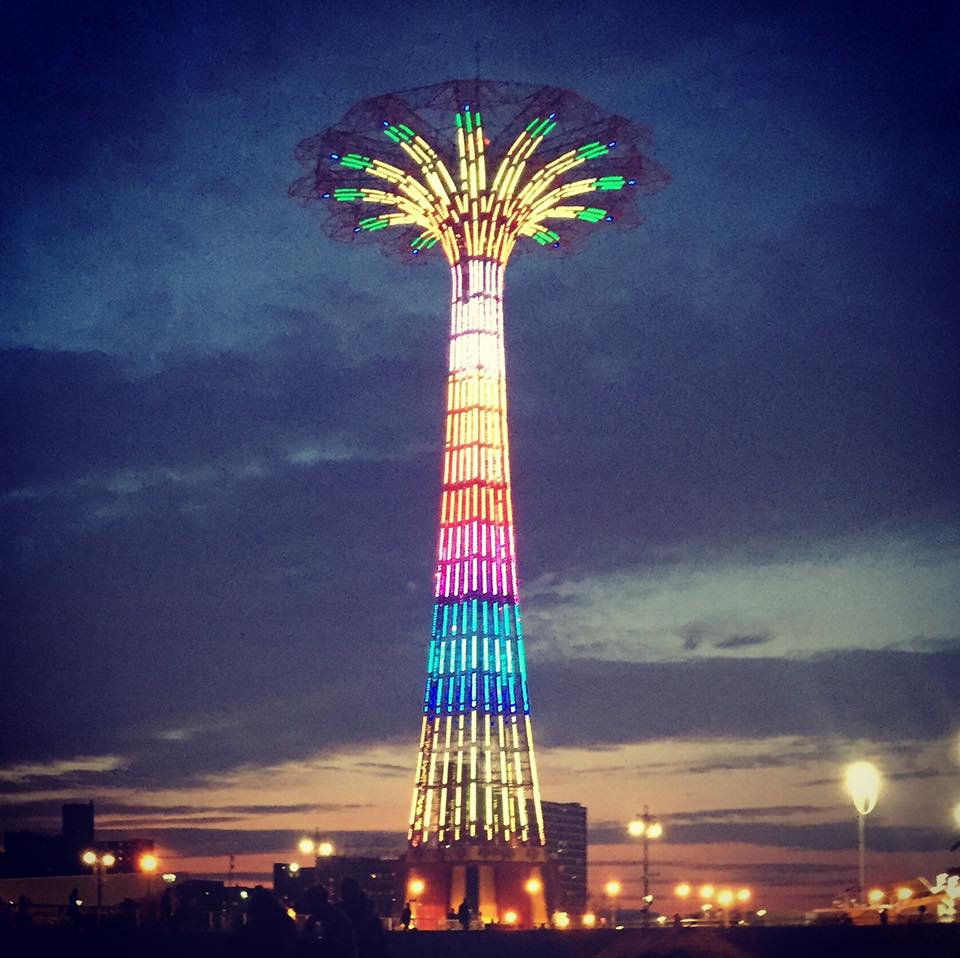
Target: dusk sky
[(734, 435)]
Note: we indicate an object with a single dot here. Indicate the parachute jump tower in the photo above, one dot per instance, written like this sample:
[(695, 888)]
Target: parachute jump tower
[(478, 172)]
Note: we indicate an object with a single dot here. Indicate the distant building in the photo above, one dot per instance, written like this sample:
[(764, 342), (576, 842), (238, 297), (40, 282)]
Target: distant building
[(565, 826), (379, 878), (77, 825), (33, 854)]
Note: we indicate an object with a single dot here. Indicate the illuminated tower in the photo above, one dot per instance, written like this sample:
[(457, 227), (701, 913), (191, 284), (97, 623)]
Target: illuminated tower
[(478, 170)]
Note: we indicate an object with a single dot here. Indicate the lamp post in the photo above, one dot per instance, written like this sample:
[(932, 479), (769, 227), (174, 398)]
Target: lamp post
[(148, 865), (99, 864), (645, 826), (863, 786), (612, 889)]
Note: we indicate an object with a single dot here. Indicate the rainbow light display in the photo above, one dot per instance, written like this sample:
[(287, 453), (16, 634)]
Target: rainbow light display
[(476, 778)]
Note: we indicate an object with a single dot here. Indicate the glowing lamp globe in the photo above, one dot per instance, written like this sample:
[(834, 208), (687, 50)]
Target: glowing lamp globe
[(533, 885), (325, 849), (588, 920), (725, 898), (682, 890), (416, 886), (612, 889), (876, 896), (636, 828), (108, 860), (306, 846), (655, 830), (904, 893), (148, 863), (89, 858), (863, 785)]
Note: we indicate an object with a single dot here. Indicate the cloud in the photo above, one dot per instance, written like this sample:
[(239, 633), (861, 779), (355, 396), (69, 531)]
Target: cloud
[(874, 695), (743, 641)]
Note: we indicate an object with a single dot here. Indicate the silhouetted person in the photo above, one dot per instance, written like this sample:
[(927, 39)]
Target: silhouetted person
[(328, 931), (371, 942), (269, 931), (883, 917), (406, 916), (463, 915), (677, 920)]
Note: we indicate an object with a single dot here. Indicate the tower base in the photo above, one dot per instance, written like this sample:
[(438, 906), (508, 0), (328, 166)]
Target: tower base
[(508, 887)]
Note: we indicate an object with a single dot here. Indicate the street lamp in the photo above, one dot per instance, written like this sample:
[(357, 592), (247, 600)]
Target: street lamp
[(314, 846), (148, 865), (415, 888), (99, 864), (645, 826), (612, 889), (863, 786), (682, 890)]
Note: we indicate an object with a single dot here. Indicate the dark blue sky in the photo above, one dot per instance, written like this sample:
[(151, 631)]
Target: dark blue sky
[(734, 429)]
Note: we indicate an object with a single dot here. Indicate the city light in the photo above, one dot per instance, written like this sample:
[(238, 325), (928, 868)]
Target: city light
[(612, 888), (876, 896), (510, 918), (533, 885), (636, 828), (561, 919), (744, 895), (169, 877), (761, 912), (706, 906), (655, 830), (108, 860), (416, 886), (293, 868), (588, 920), (89, 858), (904, 894), (682, 890), (148, 863), (725, 898), (661, 919), (706, 891), (325, 849), (306, 846)]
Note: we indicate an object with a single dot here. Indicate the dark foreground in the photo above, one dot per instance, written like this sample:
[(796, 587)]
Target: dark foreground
[(914, 941)]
